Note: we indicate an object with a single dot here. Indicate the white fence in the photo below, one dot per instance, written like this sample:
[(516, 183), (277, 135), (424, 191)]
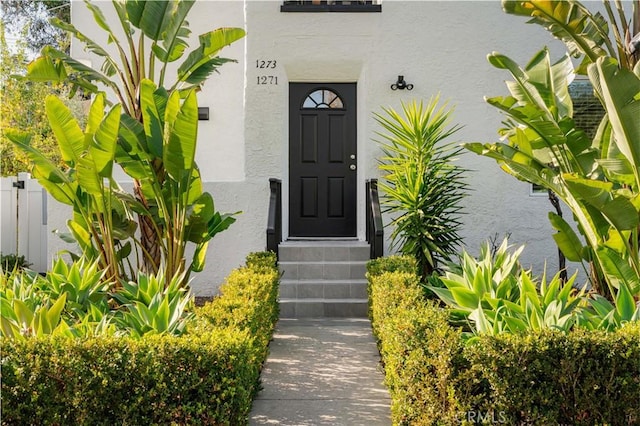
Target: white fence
[(23, 220)]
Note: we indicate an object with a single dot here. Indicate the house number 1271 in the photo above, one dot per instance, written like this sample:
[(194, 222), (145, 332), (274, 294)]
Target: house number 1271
[(267, 79)]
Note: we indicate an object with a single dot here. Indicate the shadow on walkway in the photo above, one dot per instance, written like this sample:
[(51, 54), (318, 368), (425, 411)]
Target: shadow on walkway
[(322, 372)]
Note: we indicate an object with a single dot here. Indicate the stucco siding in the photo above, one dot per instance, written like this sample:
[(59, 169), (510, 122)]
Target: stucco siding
[(439, 47)]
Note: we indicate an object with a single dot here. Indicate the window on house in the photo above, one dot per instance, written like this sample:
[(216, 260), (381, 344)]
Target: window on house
[(587, 114), (587, 110), (322, 98), (331, 6)]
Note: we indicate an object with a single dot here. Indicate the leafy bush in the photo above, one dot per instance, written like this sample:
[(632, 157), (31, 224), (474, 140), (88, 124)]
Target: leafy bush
[(392, 264), (420, 351), (584, 377), (154, 304), (206, 376), (262, 259), (206, 379), (421, 187), (541, 377), (248, 301), (13, 262)]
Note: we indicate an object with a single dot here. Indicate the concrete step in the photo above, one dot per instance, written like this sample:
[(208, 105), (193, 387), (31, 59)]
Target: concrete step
[(323, 270), (318, 251), (323, 308), (323, 278), (327, 289)]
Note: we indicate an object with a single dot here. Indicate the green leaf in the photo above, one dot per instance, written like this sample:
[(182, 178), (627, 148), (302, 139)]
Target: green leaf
[(621, 213), (625, 305), (81, 235), (566, 239), (445, 295), (45, 69), (151, 118), (201, 62), (23, 313), (103, 148), (199, 257), (175, 35), (619, 92), (47, 173), (125, 251), (617, 270), (515, 324), (66, 129), (180, 149), (483, 325), (161, 319), (583, 32), (595, 192), (88, 178), (54, 313), (601, 305), (96, 114), (465, 298), (201, 213), (221, 223), (618, 170)]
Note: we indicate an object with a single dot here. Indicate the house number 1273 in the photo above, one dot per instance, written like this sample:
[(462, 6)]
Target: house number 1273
[(265, 64)]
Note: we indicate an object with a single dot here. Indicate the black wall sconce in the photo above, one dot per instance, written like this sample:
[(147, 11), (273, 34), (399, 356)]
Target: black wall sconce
[(203, 113), (401, 84)]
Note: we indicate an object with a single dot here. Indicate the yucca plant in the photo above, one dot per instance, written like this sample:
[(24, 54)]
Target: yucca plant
[(421, 186)]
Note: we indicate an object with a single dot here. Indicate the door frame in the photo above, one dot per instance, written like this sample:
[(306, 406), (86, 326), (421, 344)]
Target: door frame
[(356, 211)]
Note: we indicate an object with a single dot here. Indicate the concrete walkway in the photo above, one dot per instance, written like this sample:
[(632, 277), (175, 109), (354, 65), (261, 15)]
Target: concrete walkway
[(322, 372)]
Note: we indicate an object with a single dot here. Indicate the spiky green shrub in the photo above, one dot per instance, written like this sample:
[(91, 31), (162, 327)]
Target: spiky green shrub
[(421, 187)]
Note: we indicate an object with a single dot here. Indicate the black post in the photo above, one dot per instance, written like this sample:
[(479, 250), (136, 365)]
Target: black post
[(375, 232), (274, 220)]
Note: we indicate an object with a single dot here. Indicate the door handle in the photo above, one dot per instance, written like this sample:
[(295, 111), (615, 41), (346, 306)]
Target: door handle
[(352, 167)]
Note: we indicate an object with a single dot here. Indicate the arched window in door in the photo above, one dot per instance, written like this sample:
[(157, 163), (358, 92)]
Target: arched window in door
[(323, 98)]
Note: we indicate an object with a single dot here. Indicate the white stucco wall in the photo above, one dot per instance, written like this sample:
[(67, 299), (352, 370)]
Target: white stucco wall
[(439, 46)]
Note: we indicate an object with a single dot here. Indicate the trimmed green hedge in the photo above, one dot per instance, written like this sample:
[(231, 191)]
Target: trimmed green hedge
[(537, 378), (584, 377), (207, 376)]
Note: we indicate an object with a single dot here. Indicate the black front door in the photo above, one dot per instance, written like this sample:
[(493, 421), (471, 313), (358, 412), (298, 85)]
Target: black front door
[(322, 160)]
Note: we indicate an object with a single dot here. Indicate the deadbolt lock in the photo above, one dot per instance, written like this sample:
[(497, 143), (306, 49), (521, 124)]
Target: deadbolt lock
[(353, 156)]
